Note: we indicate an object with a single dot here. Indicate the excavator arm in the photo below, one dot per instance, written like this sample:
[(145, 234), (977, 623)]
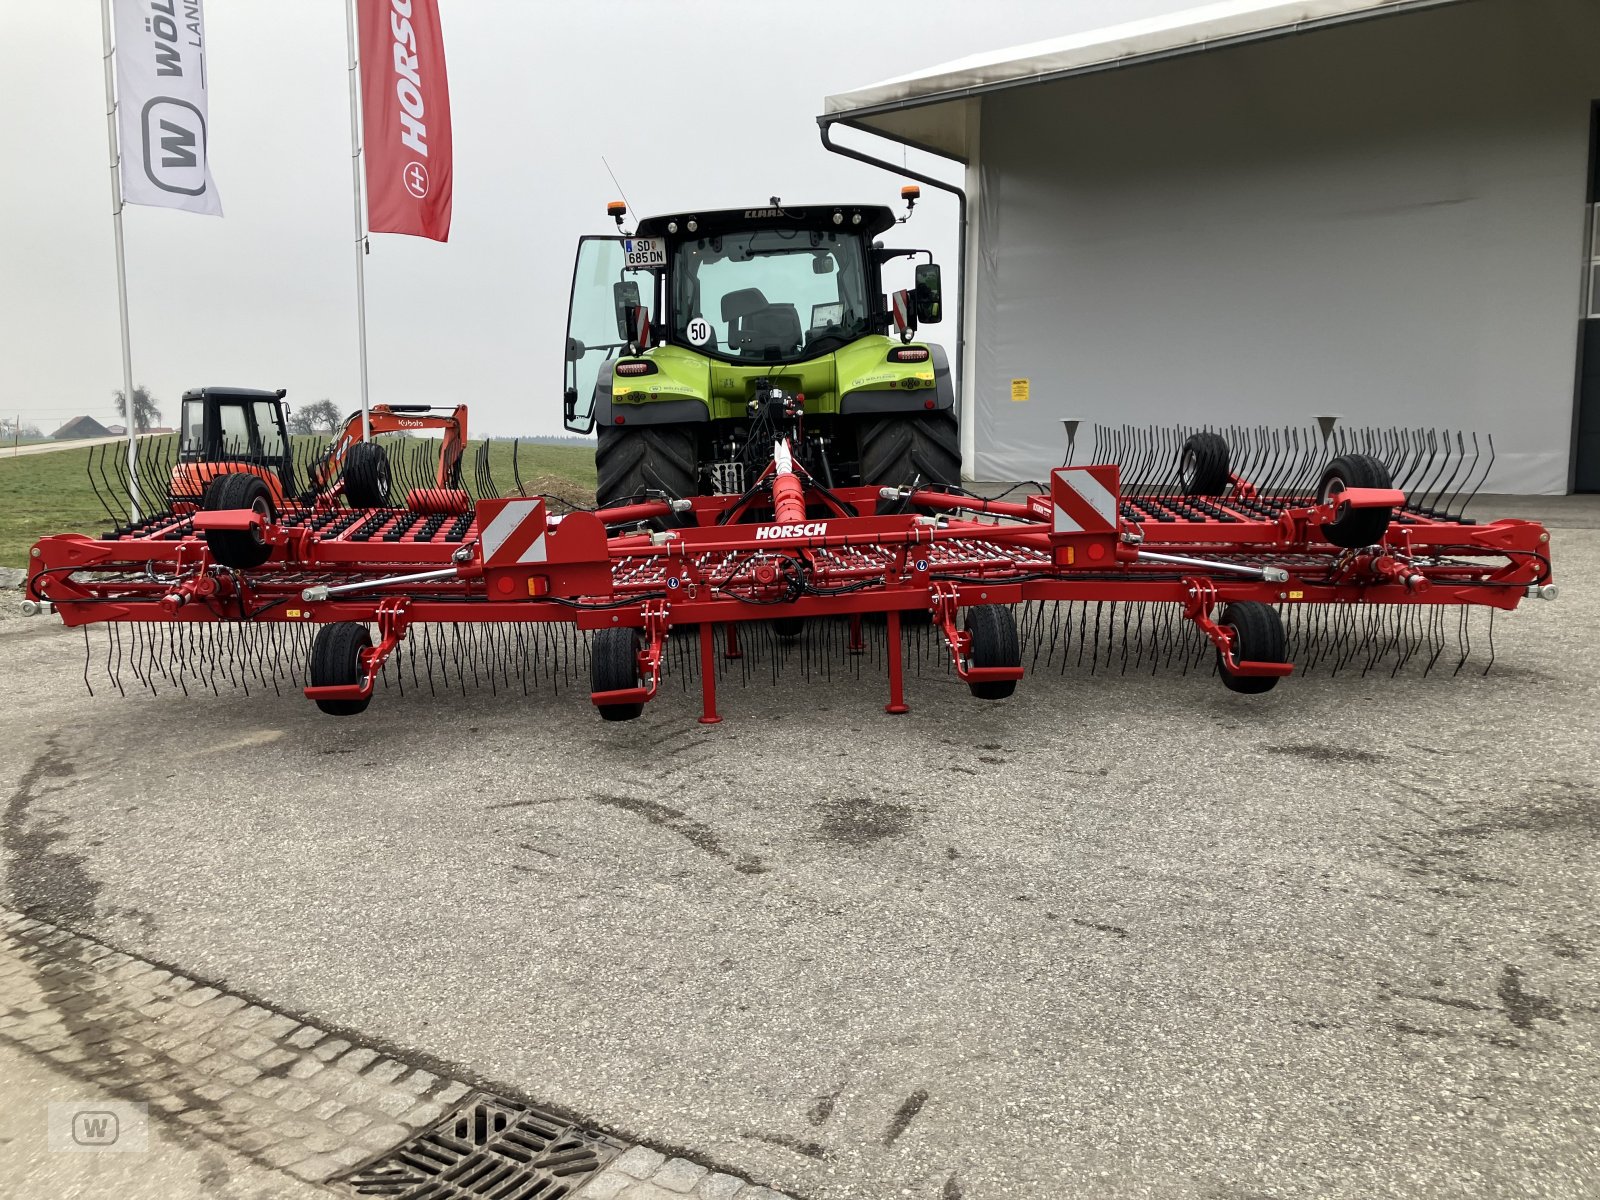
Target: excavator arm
[(400, 418)]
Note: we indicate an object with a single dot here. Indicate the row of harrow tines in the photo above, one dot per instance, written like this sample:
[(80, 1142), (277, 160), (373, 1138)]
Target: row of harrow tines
[(1227, 551)]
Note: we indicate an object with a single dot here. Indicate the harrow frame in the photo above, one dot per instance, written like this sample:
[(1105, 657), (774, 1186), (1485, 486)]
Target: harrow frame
[(792, 549)]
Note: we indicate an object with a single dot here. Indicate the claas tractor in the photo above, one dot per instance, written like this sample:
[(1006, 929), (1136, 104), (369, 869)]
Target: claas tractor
[(679, 332), (234, 452)]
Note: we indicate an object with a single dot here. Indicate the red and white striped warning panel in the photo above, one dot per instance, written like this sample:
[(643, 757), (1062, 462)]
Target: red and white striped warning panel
[(513, 532), (902, 309), (1085, 499)]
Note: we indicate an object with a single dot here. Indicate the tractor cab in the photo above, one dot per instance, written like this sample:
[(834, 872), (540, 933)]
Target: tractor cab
[(231, 429), (731, 295)]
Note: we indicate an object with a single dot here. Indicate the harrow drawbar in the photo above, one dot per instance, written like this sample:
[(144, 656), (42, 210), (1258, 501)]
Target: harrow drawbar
[(1352, 572)]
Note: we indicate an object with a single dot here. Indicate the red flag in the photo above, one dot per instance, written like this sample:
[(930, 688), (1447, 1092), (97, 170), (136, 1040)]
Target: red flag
[(405, 104)]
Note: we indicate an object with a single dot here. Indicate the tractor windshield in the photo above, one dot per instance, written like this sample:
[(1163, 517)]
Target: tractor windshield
[(769, 295)]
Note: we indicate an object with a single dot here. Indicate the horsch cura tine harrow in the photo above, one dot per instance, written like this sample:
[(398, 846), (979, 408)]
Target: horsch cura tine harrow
[(1243, 551)]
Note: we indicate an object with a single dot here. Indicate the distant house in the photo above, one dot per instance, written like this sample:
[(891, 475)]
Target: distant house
[(117, 430), (80, 427)]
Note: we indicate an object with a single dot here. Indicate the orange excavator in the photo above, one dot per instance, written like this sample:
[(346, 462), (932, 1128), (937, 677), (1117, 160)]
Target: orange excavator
[(241, 434)]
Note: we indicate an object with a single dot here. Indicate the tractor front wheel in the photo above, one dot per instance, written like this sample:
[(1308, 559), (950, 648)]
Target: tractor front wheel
[(631, 461), (900, 449), (336, 662), (240, 549)]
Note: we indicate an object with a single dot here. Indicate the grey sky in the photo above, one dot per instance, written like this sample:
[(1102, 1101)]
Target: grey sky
[(694, 104)]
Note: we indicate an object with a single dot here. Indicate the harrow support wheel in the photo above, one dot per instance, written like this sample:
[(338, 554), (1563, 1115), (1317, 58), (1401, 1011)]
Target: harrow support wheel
[(1355, 528), (788, 628), (1258, 636), (993, 630), (366, 475), (240, 549), (336, 661), (613, 666), (1203, 465)]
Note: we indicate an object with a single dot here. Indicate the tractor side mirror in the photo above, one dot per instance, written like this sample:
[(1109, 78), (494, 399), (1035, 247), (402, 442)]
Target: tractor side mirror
[(928, 294), (625, 298)]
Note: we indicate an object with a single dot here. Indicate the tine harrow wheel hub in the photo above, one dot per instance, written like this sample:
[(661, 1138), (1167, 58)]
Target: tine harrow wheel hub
[(1257, 550)]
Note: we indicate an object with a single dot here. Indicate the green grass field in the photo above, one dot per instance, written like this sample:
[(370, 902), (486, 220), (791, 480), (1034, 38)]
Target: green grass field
[(50, 493)]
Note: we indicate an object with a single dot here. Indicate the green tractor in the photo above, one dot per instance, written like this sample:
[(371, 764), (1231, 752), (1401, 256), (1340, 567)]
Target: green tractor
[(678, 333)]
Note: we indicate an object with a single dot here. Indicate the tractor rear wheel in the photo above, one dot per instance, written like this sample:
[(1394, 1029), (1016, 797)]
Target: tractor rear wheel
[(366, 476), (993, 629), (1203, 465), (898, 449), (649, 458), (614, 665), (1257, 637), (240, 549), (336, 661), (1355, 528)]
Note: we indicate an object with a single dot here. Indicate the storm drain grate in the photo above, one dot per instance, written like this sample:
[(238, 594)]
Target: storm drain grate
[(488, 1149)]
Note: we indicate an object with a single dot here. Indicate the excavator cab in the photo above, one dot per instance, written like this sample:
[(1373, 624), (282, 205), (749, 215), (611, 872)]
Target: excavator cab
[(231, 430)]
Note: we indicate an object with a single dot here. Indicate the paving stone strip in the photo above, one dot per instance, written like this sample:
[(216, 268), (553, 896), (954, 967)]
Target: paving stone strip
[(281, 1092)]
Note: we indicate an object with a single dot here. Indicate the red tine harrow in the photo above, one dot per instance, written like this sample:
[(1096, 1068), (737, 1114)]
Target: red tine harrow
[(1351, 570)]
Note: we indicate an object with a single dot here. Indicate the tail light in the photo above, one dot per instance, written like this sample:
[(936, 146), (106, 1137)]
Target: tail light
[(640, 367), (907, 354)]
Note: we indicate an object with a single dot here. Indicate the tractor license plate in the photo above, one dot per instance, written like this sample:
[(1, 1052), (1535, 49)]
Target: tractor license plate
[(644, 253)]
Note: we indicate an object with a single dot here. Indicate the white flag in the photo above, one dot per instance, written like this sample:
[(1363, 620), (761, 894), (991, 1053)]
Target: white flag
[(161, 105)]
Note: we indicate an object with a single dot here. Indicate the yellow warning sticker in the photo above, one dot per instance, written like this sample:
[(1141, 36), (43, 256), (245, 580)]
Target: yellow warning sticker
[(1019, 389), (1297, 595)]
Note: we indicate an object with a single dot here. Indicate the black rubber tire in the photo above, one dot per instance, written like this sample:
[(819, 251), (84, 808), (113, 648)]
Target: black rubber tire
[(335, 660), (995, 643), (788, 628), (629, 462), (613, 665), (240, 549), (1203, 465), (897, 448), (1258, 637), (366, 476), (1355, 528)]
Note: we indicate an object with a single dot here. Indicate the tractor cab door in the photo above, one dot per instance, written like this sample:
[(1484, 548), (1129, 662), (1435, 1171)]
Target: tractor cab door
[(269, 439), (602, 320)]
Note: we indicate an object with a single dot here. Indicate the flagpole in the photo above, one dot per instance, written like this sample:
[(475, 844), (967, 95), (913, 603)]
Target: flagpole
[(361, 233), (122, 266)]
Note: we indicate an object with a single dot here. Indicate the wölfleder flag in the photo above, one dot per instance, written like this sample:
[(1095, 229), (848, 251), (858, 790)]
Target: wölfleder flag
[(405, 109), (162, 143)]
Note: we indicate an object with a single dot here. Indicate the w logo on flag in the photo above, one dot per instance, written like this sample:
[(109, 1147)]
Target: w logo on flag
[(174, 146)]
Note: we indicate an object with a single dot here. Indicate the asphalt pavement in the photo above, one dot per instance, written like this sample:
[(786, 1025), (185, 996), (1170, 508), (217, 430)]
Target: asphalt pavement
[(1116, 937)]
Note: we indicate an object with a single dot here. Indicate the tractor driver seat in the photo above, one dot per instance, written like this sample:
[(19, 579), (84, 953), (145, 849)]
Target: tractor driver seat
[(757, 329)]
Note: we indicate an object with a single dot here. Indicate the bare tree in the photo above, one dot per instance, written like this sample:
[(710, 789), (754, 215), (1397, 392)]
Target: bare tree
[(146, 415), (320, 417)]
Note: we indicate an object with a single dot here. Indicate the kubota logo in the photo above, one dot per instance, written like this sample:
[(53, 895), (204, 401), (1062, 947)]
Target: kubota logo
[(810, 529), (411, 423)]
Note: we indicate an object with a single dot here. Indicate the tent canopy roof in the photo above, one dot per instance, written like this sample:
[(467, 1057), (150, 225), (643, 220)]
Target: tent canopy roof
[(927, 109)]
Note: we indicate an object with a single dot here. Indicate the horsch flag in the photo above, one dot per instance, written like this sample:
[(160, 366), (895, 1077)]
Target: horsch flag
[(162, 129), (405, 106)]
